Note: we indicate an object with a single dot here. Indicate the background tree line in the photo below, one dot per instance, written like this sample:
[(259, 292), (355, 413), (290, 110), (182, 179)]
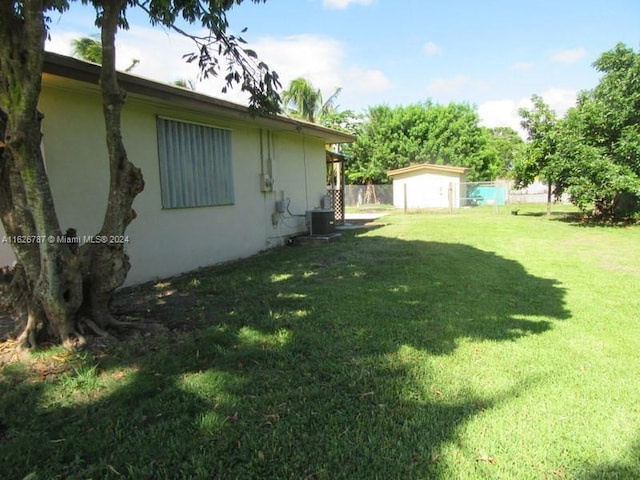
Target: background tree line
[(390, 138), (593, 152)]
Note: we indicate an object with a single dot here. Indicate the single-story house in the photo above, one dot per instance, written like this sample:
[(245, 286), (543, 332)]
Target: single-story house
[(428, 186), (220, 184)]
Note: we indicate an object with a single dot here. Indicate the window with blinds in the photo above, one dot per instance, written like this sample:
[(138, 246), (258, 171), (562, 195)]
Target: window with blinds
[(195, 164)]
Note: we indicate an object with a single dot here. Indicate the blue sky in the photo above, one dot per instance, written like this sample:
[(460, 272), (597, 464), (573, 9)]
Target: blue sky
[(493, 54)]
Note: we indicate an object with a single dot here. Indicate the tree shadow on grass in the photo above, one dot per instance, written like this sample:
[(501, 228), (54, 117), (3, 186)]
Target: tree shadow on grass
[(585, 220), (308, 362), (626, 468)]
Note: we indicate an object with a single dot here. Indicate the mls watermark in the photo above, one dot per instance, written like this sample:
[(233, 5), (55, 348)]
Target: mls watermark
[(65, 239)]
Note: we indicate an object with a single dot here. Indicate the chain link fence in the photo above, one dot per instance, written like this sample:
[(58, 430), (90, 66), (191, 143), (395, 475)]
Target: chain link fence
[(365, 195), (447, 195)]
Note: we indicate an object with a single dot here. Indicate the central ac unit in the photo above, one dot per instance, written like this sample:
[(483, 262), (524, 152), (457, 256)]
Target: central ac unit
[(321, 222)]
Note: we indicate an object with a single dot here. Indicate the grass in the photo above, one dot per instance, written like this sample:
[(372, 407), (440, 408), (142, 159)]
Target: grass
[(433, 347)]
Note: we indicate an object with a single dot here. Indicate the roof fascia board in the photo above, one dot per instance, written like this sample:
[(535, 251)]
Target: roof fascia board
[(74, 69), (428, 166)]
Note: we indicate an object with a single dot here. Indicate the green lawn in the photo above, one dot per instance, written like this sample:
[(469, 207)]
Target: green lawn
[(433, 347)]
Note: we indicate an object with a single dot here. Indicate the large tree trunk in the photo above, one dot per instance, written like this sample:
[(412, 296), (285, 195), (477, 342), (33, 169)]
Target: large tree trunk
[(52, 280), (549, 194), (52, 275), (108, 262), (17, 294)]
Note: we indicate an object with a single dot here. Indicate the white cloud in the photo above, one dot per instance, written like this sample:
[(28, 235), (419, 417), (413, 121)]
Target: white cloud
[(504, 112), (342, 4), (431, 48), (522, 66), (560, 99), (367, 80), (569, 56), (61, 42), (322, 60), (318, 59), (160, 53)]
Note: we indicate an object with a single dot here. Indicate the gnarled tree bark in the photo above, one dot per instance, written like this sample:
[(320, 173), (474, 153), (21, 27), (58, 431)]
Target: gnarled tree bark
[(53, 279), (52, 275), (108, 263)]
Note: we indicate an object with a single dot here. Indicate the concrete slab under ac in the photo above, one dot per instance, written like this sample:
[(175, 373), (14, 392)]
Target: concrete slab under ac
[(352, 221), (316, 239), (364, 216), (360, 220)]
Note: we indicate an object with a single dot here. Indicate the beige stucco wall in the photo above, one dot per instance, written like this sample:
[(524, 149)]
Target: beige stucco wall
[(164, 242), (425, 189), (6, 254)]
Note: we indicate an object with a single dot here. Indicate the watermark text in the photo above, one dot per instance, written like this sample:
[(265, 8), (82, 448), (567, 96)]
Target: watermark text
[(65, 239)]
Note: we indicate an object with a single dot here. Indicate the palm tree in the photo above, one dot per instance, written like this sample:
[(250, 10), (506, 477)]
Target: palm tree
[(185, 83), (302, 100), (87, 48), (90, 49)]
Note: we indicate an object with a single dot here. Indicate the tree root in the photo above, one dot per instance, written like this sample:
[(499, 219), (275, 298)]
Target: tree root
[(124, 325), (75, 342), (106, 322), (27, 341), (95, 328)]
